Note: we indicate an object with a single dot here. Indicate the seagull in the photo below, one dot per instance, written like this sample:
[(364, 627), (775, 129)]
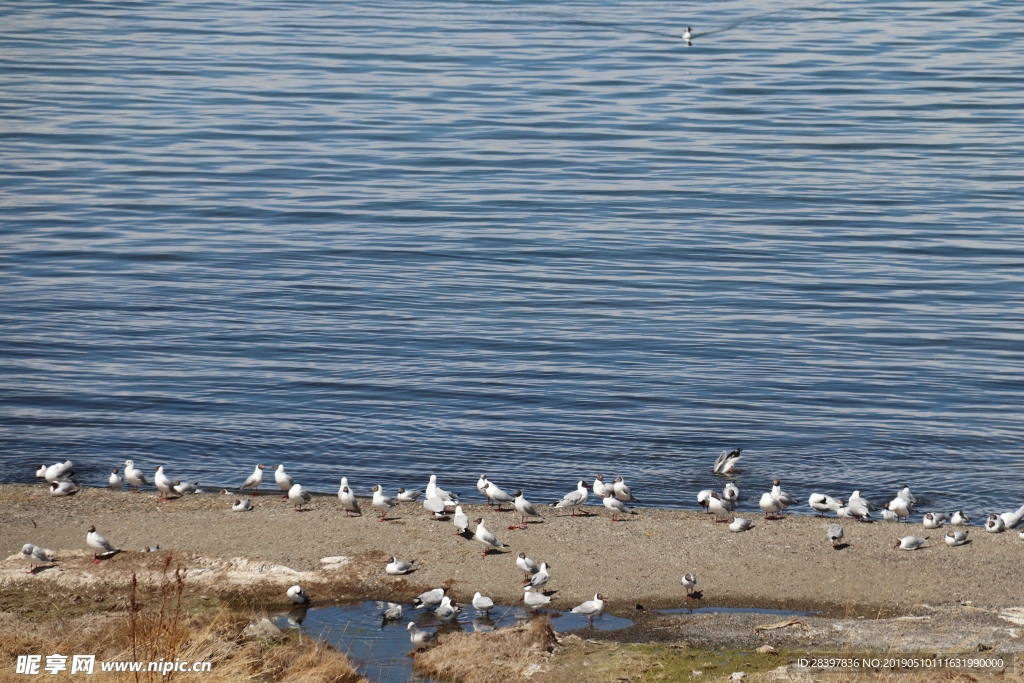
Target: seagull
[(447, 610), (284, 480), (590, 609), (861, 507), (297, 595), (428, 600), (835, 534), (955, 538), (460, 520), (417, 636), (731, 493), (1012, 519), (541, 577), (37, 556), (617, 507), (254, 480), (622, 491), (525, 509), (115, 481), (688, 35), (888, 515), (770, 505), (527, 565), (482, 603), (56, 472), (910, 542), (486, 537), (481, 486), (408, 496), (450, 499), (348, 501), (298, 496), (391, 611), (94, 540), (163, 483), (906, 495), (62, 488), (781, 497), (703, 497), (497, 495), (959, 519), (397, 566), (574, 499), (721, 508), (726, 462), (186, 488), (822, 503), (934, 520), (134, 475), (899, 506), (242, 505), (534, 600), (434, 503), (689, 583), (382, 502), (995, 524), (600, 487), (739, 524)]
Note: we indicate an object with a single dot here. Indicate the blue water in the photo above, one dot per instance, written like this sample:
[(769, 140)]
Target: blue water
[(535, 240)]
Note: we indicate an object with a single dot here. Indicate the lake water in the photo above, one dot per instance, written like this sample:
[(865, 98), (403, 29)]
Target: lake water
[(534, 240)]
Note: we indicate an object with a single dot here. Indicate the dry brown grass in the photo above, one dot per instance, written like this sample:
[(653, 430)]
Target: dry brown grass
[(497, 657), (152, 626)]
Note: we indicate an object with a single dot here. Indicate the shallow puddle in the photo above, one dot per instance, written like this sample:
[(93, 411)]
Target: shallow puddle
[(735, 610), (379, 649)]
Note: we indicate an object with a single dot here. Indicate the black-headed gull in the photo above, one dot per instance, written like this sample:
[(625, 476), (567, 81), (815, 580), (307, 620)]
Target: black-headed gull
[(56, 472), (449, 499), (298, 496), (704, 498), (835, 534), (622, 491), (784, 499), (688, 35), (133, 475), (37, 556), (689, 582), (284, 480), (184, 489), (534, 600), (382, 502), (62, 488), (390, 611), (348, 501), (616, 506), (406, 496), (600, 487), (297, 595), (906, 495), (726, 462), (955, 537), (722, 509), (242, 505), (959, 519), (769, 505), (486, 537), (933, 520), (739, 524), (527, 565), (494, 493), (482, 603), (540, 578), (731, 492), (447, 610), (995, 524), (397, 566), (822, 503), (574, 499), (898, 506), (461, 521), (859, 506), (254, 480), (434, 503), (1012, 519), (525, 509), (115, 481), (163, 483), (910, 542), (481, 486), (428, 600), (417, 636), (590, 608), (97, 542)]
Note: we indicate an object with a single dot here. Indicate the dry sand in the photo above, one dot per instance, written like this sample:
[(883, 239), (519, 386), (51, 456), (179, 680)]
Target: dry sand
[(782, 564)]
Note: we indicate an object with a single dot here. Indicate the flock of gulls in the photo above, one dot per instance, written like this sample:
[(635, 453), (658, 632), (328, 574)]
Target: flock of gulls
[(616, 497)]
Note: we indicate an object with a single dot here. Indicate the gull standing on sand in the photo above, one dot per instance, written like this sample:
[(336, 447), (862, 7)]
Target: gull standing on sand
[(460, 520), (527, 565), (254, 480), (242, 505), (62, 488), (704, 498), (689, 583), (297, 595), (486, 537), (482, 603), (382, 502), (97, 542), (933, 520), (898, 506), (481, 486), (770, 506), (720, 508), (739, 524), (910, 542), (525, 509), (726, 462), (819, 502), (731, 492), (995, 524), (497, 495), (835, 534), (622, 491), (434, 503), (428, 600), (534, 600), (959, 519), (348, 500), (186, 488), (541, 578), (298, 496), (397, 566), (600, 487), (449, 499), (163, 483), (417, 636), (115, 481), (284, 480), (860, 507), (617, 507), (408, 496), (781, 497), (37, 556), (574, 499), (1012, 519), (590, 609), (955, 537), (133, 475)]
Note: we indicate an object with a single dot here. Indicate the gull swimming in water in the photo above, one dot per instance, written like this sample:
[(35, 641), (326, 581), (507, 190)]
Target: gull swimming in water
[(297, 595), (62, 488), (163, 483), (688, 35), (460, 520), (955, 537), (525, 509), (115, 481), (348, 501), (397, 566), (254, 480), (910, 542), (534, 600), (298, 496), (428, 600), (37, 556), (726, 462), (739, 524), (486, 537), (690, 584), (574, 499), (959, 519), (390, 611), (242, 505), (835, 534), (995, 524), (482, 603), (622, 491), (133, 475), (382, 502), (97, 542), (819, 502), (284, 480), (590, 609)]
